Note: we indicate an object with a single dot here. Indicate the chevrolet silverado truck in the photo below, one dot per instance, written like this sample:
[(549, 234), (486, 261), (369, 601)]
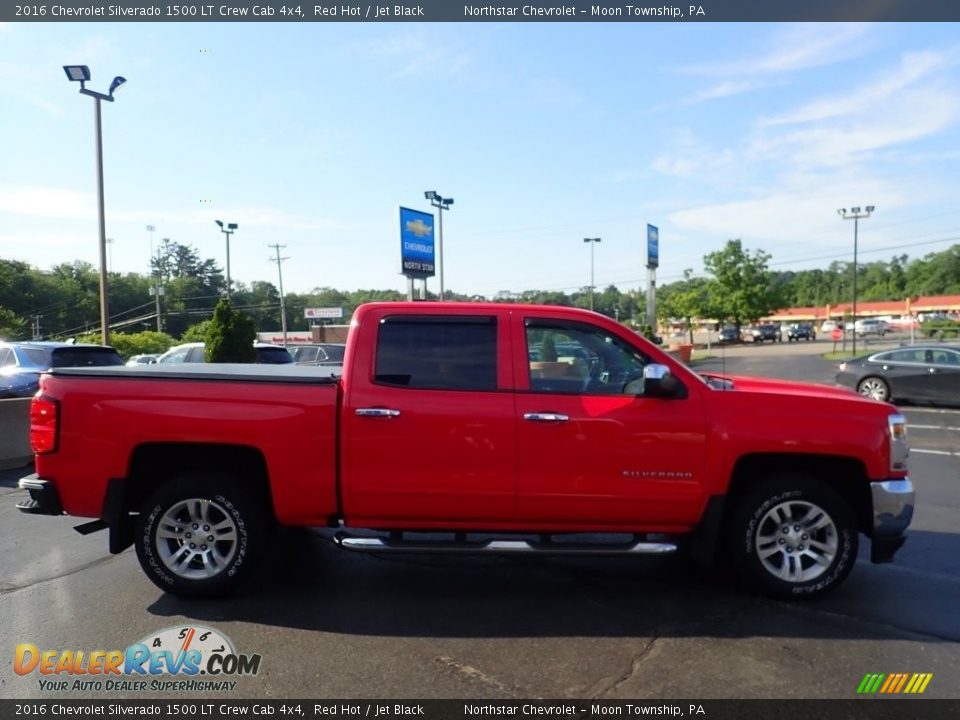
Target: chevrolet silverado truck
[(480, 428)]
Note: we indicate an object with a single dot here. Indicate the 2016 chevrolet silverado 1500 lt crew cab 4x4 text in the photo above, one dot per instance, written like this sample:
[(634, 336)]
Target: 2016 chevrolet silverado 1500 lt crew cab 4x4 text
[(503, 427)]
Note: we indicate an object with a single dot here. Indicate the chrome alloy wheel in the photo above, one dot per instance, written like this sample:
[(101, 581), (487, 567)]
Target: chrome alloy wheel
[(796, 541), (196, 538), (873, 388)]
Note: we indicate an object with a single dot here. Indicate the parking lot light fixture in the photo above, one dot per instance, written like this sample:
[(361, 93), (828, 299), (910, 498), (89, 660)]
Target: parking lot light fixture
[(441, 203), (228, 231), (81, 74), (593, 242), (855, 214)]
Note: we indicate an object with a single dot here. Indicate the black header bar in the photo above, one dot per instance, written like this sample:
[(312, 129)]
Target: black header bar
[(642, 11), (214, 708)]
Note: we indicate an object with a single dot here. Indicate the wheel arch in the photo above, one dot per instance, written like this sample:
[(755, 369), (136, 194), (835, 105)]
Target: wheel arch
[(844, 475), (152, 465)]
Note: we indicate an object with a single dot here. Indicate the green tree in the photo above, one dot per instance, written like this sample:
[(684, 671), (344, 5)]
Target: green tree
[(743, 288), (685, 300), (12, 327), (196, 333), (230, 336)]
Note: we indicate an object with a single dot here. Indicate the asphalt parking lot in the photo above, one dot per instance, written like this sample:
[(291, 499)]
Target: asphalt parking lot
[(334, 625)]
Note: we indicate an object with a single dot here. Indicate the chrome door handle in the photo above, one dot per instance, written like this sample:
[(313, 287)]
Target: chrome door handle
[(545, 417), (377, 412)]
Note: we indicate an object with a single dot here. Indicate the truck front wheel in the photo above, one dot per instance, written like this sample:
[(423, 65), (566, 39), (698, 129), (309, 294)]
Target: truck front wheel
[(793, 537), (197, 535)]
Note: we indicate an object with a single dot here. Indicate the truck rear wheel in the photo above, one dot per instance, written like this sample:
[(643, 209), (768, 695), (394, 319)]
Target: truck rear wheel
[(793, 537), (198, 535)]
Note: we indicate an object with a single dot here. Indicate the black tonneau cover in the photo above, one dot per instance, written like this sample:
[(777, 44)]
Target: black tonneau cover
[(303, 374)]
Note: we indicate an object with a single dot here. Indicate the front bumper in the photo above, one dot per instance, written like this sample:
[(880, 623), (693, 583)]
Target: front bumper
[(44, 498), (893, 502)]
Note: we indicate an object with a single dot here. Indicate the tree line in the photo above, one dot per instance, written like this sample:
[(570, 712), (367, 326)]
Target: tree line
[(738, 287)]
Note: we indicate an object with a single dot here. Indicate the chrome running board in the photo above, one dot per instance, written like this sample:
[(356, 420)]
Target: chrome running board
[(502, 547)]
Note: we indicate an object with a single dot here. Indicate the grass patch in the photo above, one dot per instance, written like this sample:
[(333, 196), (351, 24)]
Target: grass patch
[(838, 355)]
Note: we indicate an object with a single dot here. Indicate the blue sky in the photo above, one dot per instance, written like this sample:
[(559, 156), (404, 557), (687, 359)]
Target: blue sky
[(312, 135)]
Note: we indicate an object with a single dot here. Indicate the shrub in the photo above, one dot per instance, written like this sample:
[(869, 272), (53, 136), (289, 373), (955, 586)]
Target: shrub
[(940, 329), (230, 336)]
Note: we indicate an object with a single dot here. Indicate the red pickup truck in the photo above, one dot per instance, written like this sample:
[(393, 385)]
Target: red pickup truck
[(495, 428)]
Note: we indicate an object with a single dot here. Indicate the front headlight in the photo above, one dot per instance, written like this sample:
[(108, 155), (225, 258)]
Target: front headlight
[(899, 449)]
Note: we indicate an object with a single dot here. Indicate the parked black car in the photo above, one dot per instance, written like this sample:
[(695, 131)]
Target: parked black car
[(21, 363), (767, 331), (926, 373), (801, 331), (730, 335)]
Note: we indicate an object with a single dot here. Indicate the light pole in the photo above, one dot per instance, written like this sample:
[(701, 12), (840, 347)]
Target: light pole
[(81, 74), (855, 214), (441, 203), (593, 242), (110, 255), (228, 231)]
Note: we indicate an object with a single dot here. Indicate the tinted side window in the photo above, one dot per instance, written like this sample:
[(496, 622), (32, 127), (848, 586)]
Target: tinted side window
[(305, 354), (6, 358), (901, 356), (85, 357), (438, 353), (177, 356), (335, 352)]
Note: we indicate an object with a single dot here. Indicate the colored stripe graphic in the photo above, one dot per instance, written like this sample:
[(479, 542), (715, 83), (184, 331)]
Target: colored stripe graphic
[(903, 679), (894, 683)]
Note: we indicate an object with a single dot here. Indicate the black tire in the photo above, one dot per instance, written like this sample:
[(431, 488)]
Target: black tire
[(212, 568), (799, 564)]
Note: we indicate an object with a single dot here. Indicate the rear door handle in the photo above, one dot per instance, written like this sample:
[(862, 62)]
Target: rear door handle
[(377, 412), (545, 417)]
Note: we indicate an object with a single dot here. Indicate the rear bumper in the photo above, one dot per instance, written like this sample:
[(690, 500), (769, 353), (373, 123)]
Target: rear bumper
[(893, 502), (44, 498)]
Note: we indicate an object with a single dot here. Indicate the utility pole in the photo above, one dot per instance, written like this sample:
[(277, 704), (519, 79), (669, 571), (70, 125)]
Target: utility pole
[(36, 327), (283, 310), (855, 214)]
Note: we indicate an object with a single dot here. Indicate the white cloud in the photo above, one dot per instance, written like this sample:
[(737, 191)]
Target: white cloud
[(910, 116), (414, 53), (800, 217), (799, 47), (913, 68), (66, 204), (46, 202), (726, 89)]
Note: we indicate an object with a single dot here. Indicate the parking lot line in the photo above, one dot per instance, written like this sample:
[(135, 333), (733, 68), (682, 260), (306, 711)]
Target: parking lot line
[(941, 411), (933, 452), (931, 427)]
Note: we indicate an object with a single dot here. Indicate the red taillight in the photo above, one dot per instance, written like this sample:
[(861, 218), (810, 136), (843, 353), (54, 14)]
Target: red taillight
[(43, 424)]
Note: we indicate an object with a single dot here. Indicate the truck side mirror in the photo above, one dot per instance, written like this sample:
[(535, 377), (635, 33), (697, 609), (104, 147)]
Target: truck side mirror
[(659, 382)]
